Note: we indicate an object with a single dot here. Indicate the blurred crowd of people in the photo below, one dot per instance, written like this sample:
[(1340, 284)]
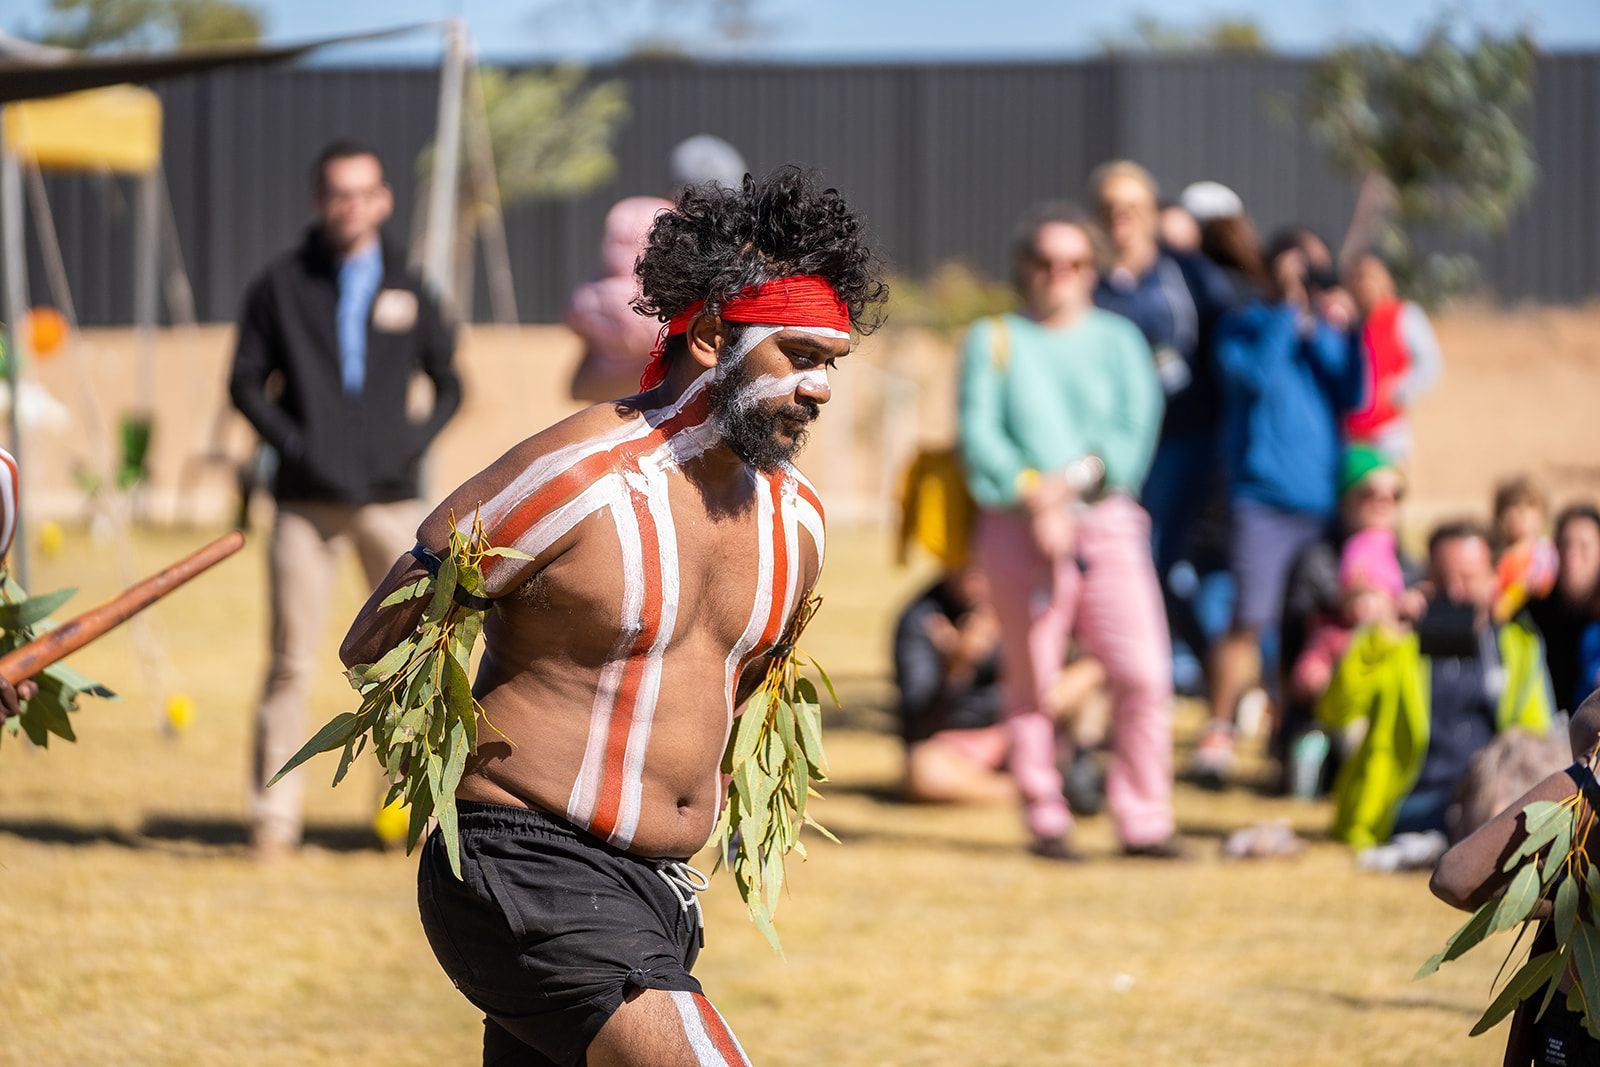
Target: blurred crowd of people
[(1180, 468)]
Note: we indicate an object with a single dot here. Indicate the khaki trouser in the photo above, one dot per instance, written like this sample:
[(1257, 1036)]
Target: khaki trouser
[(308, 539)]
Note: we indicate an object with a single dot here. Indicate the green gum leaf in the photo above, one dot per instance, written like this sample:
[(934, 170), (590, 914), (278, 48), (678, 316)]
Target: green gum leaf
[(1534, 973), (407, 592), (1520, 897), (337, 731), (33, 610), (1566, 910)]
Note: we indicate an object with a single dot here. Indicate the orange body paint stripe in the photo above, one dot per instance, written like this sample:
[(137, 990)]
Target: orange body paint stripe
[(780, 577), (575, 479), (811, 498), (610, 796), (720, 1037)]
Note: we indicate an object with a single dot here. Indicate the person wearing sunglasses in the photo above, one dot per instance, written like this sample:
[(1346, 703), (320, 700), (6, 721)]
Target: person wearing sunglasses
[(1371, 488), (1060, 410)]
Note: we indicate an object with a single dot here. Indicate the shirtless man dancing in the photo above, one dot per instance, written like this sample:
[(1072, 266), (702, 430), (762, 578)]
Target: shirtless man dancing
[(671, 541)]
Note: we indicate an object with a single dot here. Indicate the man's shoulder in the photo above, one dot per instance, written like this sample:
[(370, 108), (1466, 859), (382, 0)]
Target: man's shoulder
[(288, 264), (597, 425)]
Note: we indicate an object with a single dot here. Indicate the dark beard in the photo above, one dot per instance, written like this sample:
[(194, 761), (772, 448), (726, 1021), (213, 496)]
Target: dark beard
[(751, 432)]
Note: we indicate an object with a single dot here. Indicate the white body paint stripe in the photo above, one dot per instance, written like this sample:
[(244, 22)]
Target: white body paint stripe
[(586, 789), (752, 628), (543, 470), (652, 484), (10, 482), (789, 500), (810, 518), (550, 529)]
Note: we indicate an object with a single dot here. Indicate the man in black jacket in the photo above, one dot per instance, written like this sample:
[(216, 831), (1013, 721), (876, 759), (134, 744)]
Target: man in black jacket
[(331, 336)]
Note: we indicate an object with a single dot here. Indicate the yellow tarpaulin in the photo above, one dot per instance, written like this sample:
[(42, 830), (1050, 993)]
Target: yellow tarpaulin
[(118, 127)]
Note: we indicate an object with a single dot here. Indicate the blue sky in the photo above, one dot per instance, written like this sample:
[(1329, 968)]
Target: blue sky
[(887, 29)]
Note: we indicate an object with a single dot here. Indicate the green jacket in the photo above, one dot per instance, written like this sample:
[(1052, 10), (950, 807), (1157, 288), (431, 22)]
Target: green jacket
[(1384, 679)]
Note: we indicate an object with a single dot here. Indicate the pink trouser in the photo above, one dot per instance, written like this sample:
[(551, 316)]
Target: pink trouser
[(1109, 598)]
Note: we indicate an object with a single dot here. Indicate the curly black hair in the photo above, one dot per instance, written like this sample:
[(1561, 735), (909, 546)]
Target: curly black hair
[(717, 242)]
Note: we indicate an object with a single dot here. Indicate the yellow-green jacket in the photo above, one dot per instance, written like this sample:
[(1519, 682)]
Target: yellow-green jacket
[(1385, 679)]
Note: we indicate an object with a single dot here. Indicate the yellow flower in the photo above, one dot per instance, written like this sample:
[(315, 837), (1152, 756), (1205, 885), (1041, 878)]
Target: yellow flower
[(51, 539), (391, 822), (180, 711)]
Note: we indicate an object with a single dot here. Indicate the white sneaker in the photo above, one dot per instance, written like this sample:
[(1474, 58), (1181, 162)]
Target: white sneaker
[(1250, 714)]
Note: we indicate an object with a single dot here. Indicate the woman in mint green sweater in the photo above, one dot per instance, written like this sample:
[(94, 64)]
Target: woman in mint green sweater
[(1060, 410)]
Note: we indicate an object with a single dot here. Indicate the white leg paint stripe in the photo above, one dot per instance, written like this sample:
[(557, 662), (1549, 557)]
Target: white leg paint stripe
[(744, 1060), (586, 790), (652, 484), (694, 1028)]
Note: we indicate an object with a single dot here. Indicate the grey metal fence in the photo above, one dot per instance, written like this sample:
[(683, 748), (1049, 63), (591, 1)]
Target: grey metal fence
[(941, 159)]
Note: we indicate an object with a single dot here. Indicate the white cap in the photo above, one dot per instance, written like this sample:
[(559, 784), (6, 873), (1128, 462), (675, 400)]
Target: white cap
[(1210, 200), (704, 158)]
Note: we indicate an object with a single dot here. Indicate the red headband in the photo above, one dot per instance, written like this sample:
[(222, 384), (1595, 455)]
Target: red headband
[(800, 300)]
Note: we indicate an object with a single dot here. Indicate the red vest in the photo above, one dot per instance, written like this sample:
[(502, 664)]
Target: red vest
[(1387, 361)]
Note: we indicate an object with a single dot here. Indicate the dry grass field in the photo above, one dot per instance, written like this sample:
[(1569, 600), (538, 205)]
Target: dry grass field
[(134, 929)]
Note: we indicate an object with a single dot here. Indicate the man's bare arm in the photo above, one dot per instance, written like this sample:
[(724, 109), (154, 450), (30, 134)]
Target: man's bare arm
[(377, 629), (1470, 873)]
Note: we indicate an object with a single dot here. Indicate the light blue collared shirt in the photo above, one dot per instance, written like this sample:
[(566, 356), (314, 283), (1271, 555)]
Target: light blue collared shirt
[(359, 279)]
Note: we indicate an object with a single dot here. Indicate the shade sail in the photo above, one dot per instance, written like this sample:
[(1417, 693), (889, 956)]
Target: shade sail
[(116, 128), (23, 78)]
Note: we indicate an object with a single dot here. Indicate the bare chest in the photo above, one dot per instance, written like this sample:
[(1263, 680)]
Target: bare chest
[(654, 571)]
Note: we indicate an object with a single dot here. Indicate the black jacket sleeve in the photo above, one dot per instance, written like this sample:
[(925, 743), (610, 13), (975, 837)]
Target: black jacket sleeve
[(438, 348), (259, 353), (918, 669)]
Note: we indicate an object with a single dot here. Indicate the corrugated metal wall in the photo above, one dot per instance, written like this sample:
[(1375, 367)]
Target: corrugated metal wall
[(942, 159)]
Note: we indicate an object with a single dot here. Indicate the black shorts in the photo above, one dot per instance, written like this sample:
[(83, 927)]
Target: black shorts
[(548, 929)]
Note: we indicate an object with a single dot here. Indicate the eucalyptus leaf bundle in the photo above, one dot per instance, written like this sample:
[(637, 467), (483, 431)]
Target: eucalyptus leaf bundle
[(417, 709), (22, 618), (1552, 864), (773, 756)]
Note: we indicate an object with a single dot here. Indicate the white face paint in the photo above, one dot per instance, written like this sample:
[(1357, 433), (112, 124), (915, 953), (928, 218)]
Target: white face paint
[(767, 386)]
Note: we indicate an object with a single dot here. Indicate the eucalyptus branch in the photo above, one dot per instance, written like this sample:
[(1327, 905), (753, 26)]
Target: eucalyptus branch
[(773, 756), (417, 710)]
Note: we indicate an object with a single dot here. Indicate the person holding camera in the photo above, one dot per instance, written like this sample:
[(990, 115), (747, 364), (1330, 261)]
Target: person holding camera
[(1289, 374), (1429, 697)]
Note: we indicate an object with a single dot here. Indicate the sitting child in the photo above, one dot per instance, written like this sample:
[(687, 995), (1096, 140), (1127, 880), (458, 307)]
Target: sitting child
[(1370, 588), (1527, 561)]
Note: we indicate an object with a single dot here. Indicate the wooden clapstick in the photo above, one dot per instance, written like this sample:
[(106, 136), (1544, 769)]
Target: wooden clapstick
[(72, 635)]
